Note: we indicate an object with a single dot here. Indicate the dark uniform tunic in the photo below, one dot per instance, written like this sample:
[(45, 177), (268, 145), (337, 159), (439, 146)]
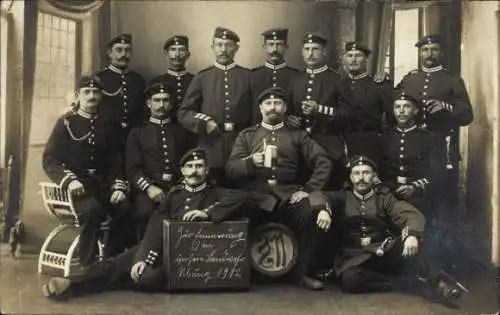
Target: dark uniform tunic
[(153, 153), (371, 104), (294, 148), (406, 161), (367, 224), (270, 75), (82, 147), (219, 203), (438, 83), (123, 103), (221, 93)]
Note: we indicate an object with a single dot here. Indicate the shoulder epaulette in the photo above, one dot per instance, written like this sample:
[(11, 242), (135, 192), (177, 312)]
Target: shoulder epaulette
[(251, 128), (414, 71), (257, 68), (205, 69), (424, 129), (243, 68), (382, 190), (101, 71), (381, 79)]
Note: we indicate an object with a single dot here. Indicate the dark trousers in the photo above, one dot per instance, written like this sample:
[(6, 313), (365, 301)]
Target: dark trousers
[(373, 274), (144, 207)]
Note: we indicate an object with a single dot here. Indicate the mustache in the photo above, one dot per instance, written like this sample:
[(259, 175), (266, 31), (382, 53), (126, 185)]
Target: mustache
[(361, 182), (123, 59), (92, 100), (275, 54)]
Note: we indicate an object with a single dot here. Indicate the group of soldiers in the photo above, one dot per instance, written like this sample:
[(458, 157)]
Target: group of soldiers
[(346, 155)]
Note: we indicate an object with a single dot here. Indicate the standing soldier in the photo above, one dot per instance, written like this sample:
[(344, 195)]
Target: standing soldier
[(315, 104), (153, 152), (123, 103), (406, 152), (370, 101), (447, 108), (218, 104), (82, 156), (275, 72)]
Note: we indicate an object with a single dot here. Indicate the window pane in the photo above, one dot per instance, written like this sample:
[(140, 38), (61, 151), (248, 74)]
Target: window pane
[(47, 20), (72, 26), (405, 35), (55, 22)]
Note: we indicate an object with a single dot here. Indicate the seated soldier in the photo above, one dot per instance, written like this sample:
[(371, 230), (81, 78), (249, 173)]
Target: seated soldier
[(375, 232), (407, 149), (153, 152), (266, 161), (192, 200), (82, 156)]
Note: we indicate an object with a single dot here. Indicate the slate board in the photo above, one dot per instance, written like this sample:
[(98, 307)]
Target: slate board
[(204, 255)]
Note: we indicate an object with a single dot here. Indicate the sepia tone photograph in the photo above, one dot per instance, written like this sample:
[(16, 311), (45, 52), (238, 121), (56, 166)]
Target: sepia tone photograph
[(250, 157)]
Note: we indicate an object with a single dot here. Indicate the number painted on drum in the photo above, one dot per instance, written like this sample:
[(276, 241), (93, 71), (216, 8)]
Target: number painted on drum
[(273, 250)]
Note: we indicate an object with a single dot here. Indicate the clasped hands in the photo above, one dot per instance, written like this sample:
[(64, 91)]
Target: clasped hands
[(433, 106)]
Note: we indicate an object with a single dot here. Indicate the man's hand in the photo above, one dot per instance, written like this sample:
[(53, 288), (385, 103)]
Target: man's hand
[(294, 121), (324, 220), (405, 191), (155, 193), (258, 159), (137, 270), (410, 247), (298, 196), (117, 197), (212, 127), (309, 107), (434, 106), (76, 188), (195, 215)]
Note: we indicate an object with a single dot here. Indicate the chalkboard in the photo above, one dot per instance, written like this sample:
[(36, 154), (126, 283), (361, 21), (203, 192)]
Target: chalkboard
[(204, 255)]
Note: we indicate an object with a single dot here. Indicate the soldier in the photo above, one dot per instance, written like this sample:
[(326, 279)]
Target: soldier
[(315, 104), (447, 108), (376, 230), (153, 152), (218, 105), (123, 103), (266, 158), (81, 155), (193, 200), (370, 100), (275, 72), (406, 152)]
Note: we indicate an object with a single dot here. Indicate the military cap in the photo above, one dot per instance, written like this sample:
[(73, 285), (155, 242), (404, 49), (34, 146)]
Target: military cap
[(224, 33), (176, 40), (361, 160), (272, 92), (402, 95), (276, 34), (89, 80), (156, 87), (357, 46), (193, 155), (315, 37), (429, 39), (124, 38)]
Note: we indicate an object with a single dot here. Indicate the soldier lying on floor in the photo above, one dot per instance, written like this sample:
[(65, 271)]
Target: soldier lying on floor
[(141, 267), (378, 233)]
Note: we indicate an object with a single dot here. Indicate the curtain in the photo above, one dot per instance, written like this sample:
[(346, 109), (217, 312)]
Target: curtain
[(374, 28), (75, 6)]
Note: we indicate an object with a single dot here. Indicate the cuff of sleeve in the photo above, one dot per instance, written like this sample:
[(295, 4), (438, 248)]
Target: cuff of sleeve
[(448, 107), (68, 178), (120, 185), (152, 256), (421, 183), (407, 231), (202, 122), (327, 110), (143, 183)]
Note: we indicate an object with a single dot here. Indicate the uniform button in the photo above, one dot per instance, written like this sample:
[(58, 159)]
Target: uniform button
[(401, 155), (424, 93), (274, 78), (179, 97), (163, 132), (308, 97), (164, 146), (312, 75), (425, 86), (402, 148), (125, 96), (225, 79), (402, 140), (188, 199), (226, 86), (227, 101), (309, 89), (167, 160), (178, 78), (226, 93), (179, 90), (401, 168), (274, 176), (426, 80), (228, 116), (311, 82), (274, 84), (124, 82), (226, 108), (165, 153), (353, 82), (186, 207), (363, 213), (179, 84), (274, 71), (164, 139), (225, 72), (273, 139), (273, 168), (125, 103)]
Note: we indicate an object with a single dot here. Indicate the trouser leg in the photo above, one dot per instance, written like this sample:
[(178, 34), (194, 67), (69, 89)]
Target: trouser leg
[(357, 279), (122, 229), (90, 215)]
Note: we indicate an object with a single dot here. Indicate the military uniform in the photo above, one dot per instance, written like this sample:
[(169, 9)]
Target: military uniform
[(282, 179), (269, 74), (82, 147), (371, 104), (221, 93), (438, 83), (123, 103)]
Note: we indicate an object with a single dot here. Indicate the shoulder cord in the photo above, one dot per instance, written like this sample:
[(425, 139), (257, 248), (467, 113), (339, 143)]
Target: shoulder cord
[(112, 94), (66, 123)]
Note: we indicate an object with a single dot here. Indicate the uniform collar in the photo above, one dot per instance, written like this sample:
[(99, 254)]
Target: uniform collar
[(225, 68), (406, 129), (321, 69), (159, 121), (117, 70), (272, 127), (195, 189), (358, 76), (364, 197), (433, 69), (85, 114), (176, 73), (271, 66)]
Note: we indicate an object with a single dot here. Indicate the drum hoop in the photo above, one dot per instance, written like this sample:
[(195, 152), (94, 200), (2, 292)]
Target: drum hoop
[(272, 227)]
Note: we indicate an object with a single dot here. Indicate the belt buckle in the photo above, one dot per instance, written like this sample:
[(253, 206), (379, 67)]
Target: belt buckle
[(166, 177), (228, 126), (91, 171), (124, 125), (401, 180)]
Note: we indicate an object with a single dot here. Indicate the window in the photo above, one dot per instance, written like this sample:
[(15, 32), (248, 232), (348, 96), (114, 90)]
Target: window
[(4, 26), (55, 72), (405, 36)]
